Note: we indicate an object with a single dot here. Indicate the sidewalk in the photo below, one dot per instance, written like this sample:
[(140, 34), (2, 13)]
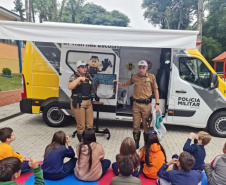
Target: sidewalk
[(9, 111)]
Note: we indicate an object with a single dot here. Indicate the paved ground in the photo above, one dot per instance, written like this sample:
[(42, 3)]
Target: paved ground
[(9, 110), (33, 135)]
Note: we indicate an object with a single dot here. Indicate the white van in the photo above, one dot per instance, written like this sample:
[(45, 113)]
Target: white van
[(191, 94)]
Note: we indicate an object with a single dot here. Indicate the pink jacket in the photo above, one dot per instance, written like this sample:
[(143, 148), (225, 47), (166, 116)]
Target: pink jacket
[(82, 171)]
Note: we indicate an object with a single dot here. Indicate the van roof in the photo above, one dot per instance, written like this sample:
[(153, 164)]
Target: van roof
[(97, 35)]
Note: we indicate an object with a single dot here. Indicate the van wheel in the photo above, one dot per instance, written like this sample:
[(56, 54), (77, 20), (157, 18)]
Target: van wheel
[(52, 117), (217, 124)]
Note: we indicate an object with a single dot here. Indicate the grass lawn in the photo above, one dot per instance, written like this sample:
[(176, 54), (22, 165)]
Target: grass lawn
[(7, 84)]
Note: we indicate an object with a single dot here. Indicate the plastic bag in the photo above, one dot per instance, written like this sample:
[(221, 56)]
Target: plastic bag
[(157, 124)]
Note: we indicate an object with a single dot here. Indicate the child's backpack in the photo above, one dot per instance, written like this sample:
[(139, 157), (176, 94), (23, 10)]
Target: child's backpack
[(157, 124)]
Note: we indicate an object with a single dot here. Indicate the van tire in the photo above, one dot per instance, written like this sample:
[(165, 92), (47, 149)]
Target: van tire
[(217, 124), (51, 116)]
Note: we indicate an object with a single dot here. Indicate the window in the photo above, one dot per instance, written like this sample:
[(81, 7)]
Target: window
[(195, 71), (51, 52), (106, 60)]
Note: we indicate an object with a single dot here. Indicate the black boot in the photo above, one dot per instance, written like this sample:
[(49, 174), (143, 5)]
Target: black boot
[(136, 137), (79, 136)]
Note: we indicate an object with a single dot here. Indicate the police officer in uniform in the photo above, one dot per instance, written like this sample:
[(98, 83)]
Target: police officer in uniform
[(81, 84), (144, 84)]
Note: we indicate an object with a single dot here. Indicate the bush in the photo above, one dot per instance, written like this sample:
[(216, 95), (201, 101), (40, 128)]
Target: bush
[(6, 71)]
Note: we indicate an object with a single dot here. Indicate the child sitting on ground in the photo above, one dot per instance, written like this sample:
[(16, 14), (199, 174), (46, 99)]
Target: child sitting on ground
[(184, 175), (7, 136), (91, 164), (53, 166), (197, 149), (10, 170), (152, 155), (126, 168), (216, 171), (128, 148)]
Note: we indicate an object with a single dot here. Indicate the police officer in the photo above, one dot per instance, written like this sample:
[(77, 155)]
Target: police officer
[(144, 84), (81, 84)]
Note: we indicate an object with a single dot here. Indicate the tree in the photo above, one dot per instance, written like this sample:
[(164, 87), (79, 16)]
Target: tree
[(97, 15), (19, 8), (214, 27), (170, 14), (73, 11), (210, 48), (48, 10)]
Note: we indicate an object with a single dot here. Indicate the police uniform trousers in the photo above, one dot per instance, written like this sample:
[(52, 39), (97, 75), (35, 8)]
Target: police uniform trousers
[(141, 111), (83, 115)]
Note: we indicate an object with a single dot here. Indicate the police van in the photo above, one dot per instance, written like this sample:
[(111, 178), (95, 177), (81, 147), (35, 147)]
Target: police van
[(191, 93)]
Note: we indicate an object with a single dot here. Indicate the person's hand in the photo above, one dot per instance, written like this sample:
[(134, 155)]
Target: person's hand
[(33, 163), (68, 140), (115, 81), (192, 135), (156, 108), (83, 79), (23, 159), (173, 161)]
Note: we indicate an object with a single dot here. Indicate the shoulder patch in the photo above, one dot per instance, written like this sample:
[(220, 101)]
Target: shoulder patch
[(72, 77)]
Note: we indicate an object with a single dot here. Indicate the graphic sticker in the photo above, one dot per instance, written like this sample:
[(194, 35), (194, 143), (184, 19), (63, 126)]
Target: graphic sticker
[(130, 66)]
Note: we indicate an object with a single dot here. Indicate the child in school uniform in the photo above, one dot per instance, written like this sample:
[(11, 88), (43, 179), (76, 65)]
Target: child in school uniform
[(184, 175), (198, 148), (216, 170), (128, 148), (126, 168), (10, 170), (53, 165), (7, 136)]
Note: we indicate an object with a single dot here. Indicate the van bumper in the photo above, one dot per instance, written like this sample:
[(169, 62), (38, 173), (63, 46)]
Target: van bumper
[(26, 105)]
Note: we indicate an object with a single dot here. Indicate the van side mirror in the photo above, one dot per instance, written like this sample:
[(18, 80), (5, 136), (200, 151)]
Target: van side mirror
[(214, 81)]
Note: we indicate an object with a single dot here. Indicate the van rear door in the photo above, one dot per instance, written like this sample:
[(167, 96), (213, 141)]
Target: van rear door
[(189, 91)]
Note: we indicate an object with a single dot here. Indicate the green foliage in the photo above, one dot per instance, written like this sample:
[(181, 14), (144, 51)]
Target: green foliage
[(170, 14), (214, 30), (6, 71), (210, 48), (19, 8), (97, 15), (73, 11)]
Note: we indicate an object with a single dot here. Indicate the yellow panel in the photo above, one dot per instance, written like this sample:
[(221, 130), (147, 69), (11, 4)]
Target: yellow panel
[(222, 86), (197, 54), (27, 67), (35, 109), (45, 80)]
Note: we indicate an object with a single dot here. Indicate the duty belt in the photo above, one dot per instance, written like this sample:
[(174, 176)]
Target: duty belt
[(83, 97), (146, 101)]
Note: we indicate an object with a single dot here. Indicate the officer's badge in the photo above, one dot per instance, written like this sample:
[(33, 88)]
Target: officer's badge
[(130, 66), (148, 79)]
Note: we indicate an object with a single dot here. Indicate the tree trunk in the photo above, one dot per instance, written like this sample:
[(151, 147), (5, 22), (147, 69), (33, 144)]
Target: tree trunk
[(32, 10), (19, 8), (27, 10), (54, 11), (199, 22), (72, 11), (29, 13), (61, 10)]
